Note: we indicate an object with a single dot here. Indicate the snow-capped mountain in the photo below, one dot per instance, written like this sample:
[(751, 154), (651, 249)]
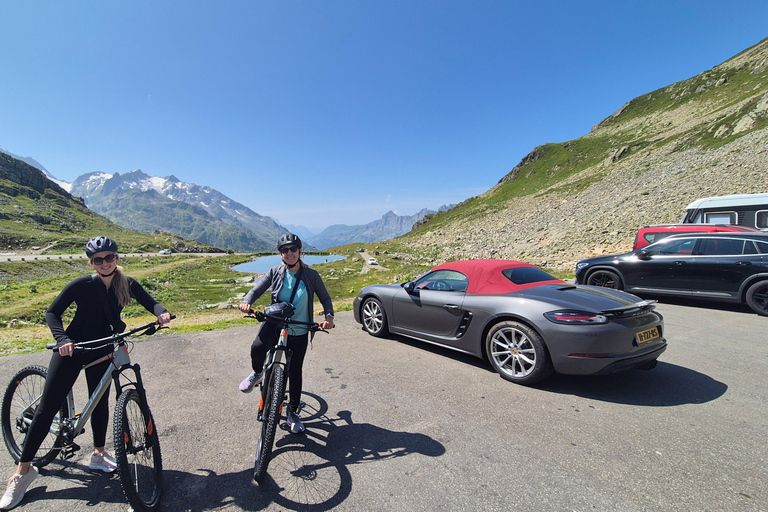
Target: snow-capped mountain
[(147, 203)]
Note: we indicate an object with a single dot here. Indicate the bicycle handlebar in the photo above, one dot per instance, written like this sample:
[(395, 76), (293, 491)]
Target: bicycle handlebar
[(263, 317), (149, 329)]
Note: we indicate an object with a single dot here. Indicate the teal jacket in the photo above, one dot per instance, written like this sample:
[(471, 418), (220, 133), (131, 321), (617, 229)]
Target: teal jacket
[(273, 280)]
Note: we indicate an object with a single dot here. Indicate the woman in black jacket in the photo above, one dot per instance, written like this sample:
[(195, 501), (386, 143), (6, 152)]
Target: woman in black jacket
[(99, 298)]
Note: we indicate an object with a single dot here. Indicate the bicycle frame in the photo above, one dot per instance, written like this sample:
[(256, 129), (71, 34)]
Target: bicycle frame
[(120, 361), (280, 354)]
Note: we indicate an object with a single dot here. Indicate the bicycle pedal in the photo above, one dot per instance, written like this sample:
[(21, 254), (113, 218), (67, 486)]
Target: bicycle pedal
[(69, 451)]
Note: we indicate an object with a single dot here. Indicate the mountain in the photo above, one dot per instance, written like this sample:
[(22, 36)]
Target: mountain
[(705, 136), (145, 203), (37, 214), (389, 226), (301, 231)]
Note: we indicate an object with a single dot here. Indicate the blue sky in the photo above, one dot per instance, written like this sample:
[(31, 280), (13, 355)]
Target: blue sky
[(334, 112)]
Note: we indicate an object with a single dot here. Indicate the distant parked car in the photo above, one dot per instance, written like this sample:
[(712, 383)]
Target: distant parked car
[(731, 267), (651, 234), (165, 252), (372, 261), (359, 249), (525, 322)]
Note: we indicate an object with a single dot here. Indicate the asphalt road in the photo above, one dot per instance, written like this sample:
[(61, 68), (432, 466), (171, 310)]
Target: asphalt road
[(396, 425)]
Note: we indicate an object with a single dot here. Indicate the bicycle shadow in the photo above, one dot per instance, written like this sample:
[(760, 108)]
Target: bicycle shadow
[(307, 472)]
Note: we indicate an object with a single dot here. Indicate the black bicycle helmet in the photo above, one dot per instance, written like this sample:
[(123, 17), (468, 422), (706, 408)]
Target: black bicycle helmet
[(100, 244), (289, 239)]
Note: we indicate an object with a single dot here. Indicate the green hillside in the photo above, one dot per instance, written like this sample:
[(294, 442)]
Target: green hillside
[(36, 214)]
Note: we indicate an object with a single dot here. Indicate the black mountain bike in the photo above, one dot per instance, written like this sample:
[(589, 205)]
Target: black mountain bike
[(137, 448), (273, 388)]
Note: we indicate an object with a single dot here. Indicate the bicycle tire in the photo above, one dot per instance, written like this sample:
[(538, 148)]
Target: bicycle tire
[(270, 418), (19, 404), (137, 451)]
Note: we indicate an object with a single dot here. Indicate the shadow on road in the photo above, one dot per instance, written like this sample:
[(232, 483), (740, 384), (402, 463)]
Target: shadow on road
[(308, 472), (665, 386)]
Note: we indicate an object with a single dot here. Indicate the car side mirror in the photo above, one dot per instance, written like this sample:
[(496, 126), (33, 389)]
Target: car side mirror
[(410, 287), (644, 254)]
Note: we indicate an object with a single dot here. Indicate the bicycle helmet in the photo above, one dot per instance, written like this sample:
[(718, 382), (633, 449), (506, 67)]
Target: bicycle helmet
[(289, 239), (100, 244)]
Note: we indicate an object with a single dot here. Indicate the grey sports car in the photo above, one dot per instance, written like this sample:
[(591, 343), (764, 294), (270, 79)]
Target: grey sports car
[(526, 323)]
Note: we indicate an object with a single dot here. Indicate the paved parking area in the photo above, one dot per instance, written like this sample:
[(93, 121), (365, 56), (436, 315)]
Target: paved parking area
[(397, 425)]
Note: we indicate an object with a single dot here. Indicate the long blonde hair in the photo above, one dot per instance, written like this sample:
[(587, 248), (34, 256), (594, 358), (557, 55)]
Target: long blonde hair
[(122, 288)]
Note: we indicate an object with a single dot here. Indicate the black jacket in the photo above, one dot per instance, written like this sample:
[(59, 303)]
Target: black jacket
[(91, 321)]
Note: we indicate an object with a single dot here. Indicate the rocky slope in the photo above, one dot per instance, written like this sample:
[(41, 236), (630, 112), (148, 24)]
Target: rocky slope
[(643, 165)]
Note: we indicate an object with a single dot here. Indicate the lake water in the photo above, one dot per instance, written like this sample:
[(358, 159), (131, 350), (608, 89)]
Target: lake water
[(264, 263)]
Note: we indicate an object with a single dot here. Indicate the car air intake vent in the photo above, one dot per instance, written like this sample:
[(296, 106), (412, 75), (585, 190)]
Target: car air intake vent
[(464, 324)]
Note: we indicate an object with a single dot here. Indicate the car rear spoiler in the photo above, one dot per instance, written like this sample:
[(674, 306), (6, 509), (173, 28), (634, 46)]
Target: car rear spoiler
[(632, 309)]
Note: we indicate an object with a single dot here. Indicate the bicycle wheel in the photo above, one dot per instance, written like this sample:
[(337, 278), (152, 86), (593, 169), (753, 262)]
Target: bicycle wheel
[(269, 420), (20, 402), (137, 450)]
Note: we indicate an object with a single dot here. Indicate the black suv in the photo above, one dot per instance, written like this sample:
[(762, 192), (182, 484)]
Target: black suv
[(730, 267)]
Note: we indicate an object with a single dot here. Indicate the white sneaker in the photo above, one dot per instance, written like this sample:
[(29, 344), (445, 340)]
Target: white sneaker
[(103, 462), (251, 381), (17, 487)]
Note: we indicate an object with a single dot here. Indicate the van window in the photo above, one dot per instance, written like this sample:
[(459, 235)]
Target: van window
[(761, 219), (721, 246), (720, 218), (762, 247)]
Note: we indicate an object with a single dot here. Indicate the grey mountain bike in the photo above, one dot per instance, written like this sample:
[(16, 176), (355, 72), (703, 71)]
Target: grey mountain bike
[(137, 448), (273, 388)]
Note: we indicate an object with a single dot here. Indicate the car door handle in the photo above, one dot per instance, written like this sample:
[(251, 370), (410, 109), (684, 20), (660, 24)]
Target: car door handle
[(679, 263), (744, 263), (450, 306)]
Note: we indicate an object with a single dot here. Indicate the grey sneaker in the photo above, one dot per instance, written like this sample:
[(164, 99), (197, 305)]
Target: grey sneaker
[(17, 487), (294, 423), (251, 381), (103, 462)]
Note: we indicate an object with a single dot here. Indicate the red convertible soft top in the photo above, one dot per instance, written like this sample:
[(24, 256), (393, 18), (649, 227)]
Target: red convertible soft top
[(485, 276)]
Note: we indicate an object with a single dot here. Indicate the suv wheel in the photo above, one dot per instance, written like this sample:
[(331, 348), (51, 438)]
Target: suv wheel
[(606, 279), (757, 297)]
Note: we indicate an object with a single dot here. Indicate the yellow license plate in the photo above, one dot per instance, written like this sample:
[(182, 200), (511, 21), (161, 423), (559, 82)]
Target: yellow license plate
[(646, 336)]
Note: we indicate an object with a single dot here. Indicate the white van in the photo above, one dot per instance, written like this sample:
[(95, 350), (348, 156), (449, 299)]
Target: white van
[(749, 210)]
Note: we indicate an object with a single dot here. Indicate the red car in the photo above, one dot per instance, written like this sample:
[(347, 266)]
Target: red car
[(651, 234)]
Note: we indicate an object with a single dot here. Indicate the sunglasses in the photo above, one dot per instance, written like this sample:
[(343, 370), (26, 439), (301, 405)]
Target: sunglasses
[(286, 250), (109, 258)]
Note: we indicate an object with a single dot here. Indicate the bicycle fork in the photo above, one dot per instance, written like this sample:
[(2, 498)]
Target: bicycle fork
[(273, 360)]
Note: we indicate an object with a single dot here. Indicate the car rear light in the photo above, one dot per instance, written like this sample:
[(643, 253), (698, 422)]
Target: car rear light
[(575, 317)]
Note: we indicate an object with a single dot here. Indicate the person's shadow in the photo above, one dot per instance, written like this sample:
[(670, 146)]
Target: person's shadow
[(308, 472)]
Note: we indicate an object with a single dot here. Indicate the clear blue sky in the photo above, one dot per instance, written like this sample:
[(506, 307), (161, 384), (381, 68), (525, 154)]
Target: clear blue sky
[(333, 112)]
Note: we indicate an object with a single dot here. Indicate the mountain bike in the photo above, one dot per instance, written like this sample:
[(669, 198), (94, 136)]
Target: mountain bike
[(273, 388), (137, 449)]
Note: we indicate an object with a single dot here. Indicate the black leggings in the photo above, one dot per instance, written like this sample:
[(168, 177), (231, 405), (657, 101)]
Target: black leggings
[(62, 374), (266, 339)]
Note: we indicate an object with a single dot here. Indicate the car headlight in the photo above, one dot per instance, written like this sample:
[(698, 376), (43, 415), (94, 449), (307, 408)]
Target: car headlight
[(574, 317), (581, 265)]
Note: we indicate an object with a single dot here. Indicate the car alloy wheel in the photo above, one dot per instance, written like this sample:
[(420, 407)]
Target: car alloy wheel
[(605, 278), (518, 353), (374, 317), (757, 297)]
